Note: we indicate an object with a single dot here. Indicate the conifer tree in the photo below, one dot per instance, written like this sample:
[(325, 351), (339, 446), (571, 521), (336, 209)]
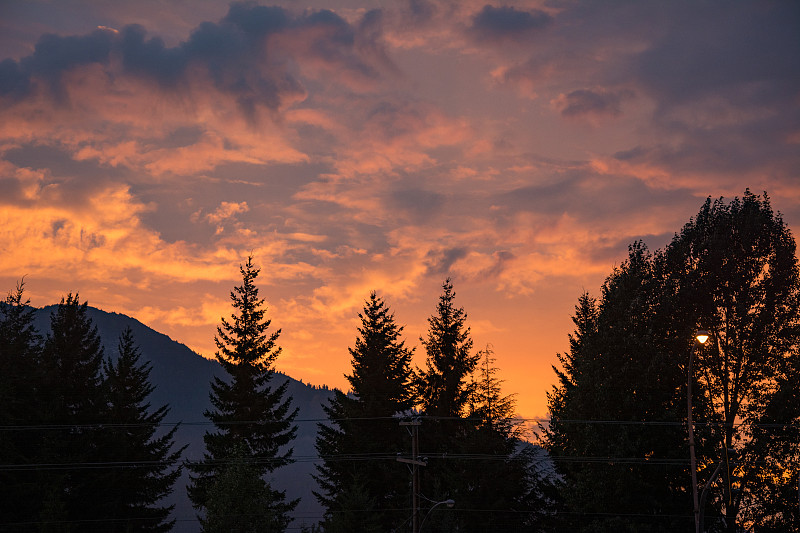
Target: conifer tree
[(487, 402), (443, 386), (253, 418), (20, 347), (71, 399), (618, 368), (491, 469), (147, 470), (364, 495), (241, 501)]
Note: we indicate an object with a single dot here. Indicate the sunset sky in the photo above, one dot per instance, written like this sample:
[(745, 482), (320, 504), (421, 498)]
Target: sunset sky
[(147, 147)]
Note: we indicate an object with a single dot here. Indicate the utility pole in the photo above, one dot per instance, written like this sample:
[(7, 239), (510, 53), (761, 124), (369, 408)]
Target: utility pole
[(415, 464)]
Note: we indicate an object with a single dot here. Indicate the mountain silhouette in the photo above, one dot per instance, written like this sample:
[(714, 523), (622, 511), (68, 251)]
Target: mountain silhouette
[(181, 378)]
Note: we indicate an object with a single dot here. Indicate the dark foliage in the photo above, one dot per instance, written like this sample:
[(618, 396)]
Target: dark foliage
[(132, 438), (20, 349), (241, 501), (88, 455), (363, 487), (444, 388), (617, 429), (71, 400), (253, 420), (475, 457)]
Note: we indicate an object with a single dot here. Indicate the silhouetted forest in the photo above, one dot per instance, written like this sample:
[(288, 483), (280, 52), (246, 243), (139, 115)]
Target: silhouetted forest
[(439, 448), (618, 432)]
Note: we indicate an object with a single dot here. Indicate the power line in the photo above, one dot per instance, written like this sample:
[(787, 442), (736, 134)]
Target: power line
[(611, 460), (668, 423)]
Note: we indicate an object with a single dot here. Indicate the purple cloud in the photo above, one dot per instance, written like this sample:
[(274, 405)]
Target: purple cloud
[(584, 102), (747, 54), (497, 24), (237, 53)]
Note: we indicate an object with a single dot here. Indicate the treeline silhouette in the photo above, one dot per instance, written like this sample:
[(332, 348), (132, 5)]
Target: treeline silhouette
[(96, 415), (731, 271), (439, 448), (84, 450)]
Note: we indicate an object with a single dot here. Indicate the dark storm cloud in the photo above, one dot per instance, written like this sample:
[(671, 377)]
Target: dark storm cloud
[(727, 82), (55, 54), (11, 192), (496, 24), (151, 58), (37, 156), (14, 82), (52, 57), (414, 17), (757, 148), (369, 41), (501, 260), (745, 52), (236, 53), (422, 10), (723, 77), (592, 102)]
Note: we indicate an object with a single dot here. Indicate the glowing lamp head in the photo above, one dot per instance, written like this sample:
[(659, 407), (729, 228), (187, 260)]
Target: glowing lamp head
[(702, 336)]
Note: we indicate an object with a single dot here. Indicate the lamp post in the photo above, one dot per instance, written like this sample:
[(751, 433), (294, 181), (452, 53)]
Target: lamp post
[(448, 503), (700, 337)]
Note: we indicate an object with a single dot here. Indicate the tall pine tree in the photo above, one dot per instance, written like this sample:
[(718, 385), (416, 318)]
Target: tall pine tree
[(71, 400), (363, 487), (253, 419), (132, 438), (444, 386), (444, 391), (20, 347)]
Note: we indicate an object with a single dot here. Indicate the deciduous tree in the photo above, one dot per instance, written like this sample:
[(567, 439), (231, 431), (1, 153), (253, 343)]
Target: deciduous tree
[(617, 428), (734, 269)]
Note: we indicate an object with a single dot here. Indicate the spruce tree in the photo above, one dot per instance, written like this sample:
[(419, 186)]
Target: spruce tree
[(487, 403), (20, 348), (488, 467), (71, 400), (444, 388), (253, 418), (362, 485), (241, 501), (132, 438)]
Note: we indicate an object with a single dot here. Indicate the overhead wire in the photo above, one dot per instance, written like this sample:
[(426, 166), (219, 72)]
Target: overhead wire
[(674, 423)]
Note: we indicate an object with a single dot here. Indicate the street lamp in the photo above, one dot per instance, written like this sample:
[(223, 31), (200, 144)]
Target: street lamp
[(448, 503), (701, 337)]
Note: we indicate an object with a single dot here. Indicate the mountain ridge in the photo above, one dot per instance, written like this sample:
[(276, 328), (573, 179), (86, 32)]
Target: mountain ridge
[(181, 378)]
